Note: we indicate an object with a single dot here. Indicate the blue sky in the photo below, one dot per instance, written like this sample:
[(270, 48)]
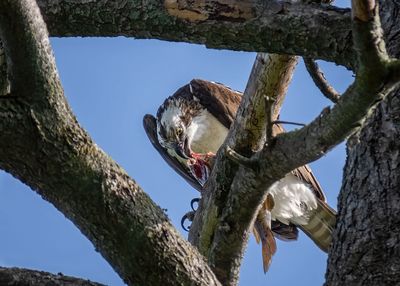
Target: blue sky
[(111, 83)]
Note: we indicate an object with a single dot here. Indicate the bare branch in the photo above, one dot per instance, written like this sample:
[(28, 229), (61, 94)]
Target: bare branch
[(238, 192), (368, 34), (295, 29), (26, 277), (27, 76), (363, 251), (288, 122), (42, 144), (374, 80), (320, 81), (270, 77)]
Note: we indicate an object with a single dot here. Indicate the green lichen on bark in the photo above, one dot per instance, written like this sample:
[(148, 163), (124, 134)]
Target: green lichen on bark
[(290, 29), (43, 145)]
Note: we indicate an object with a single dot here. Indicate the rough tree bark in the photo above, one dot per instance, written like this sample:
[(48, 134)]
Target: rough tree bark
[(22, 277), (366, 249), (230, 187), (90, 180), (270, 77), (320, 32), (42, 144), (4, 84)]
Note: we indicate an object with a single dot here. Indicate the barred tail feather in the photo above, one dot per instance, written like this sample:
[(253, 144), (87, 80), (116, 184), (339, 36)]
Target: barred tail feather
[(320, 225)]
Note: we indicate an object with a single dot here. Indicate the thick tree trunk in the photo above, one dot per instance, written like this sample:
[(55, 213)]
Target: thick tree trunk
[(366, 249), (367, 239)]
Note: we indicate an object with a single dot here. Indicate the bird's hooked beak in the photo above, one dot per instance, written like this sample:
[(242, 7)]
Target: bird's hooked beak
[(180, 150)]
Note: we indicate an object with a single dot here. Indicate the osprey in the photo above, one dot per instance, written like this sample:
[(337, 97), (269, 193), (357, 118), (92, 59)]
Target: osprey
[(190, 127)]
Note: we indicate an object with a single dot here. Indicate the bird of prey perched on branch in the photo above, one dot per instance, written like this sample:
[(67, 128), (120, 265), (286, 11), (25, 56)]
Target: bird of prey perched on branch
[(190, 127)]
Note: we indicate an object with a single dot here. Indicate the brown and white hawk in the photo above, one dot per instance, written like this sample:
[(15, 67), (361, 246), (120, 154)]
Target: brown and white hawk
[(194, 122)]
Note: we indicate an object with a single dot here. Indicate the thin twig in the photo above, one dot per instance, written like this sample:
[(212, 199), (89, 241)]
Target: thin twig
[(288, 122), (320, 81)]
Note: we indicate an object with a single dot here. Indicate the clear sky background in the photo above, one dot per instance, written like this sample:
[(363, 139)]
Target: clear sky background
[(110, 84)]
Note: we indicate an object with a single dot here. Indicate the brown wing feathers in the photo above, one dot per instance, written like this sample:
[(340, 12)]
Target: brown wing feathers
[(221, 101)]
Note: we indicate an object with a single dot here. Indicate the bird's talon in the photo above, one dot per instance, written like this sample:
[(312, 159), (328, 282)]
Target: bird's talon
[(195, 200), (188, 216)]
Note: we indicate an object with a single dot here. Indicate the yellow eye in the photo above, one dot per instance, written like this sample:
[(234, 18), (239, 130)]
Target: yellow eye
[(179, 131)]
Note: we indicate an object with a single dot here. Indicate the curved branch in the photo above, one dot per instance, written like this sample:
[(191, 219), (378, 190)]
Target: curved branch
[(320, 81), (320, 32), (30, 60), (20, 276), (42, 144)]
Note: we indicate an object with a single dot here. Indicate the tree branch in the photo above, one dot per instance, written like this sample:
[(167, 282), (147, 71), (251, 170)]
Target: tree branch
[(238, 192), (270, 76), (364, 251), (320, 32), (26, 277), (25, 74), (368, 221), (368, 218), (374, 80), (42, 144), (320, 81)]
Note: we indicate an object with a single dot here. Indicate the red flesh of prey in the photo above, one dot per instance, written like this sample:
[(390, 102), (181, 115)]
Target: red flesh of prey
[(199, 166)]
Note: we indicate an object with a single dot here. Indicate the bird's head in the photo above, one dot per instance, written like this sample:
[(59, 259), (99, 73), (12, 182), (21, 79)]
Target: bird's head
[(172, 123)]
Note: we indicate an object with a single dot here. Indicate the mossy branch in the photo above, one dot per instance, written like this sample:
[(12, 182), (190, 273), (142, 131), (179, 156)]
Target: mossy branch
[(42, 144)]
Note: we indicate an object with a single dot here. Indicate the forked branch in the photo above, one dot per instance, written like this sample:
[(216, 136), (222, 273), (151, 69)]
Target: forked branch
[(237, 192), (42, 144), (270, 76)]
